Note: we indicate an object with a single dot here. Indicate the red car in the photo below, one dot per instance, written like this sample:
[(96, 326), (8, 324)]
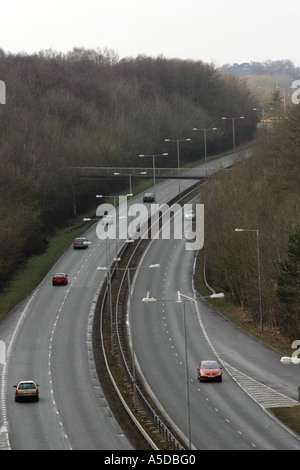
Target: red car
[(59, 278), (209, 371)]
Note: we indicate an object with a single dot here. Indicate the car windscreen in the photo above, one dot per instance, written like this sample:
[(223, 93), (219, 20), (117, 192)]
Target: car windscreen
[(26, 386), (210, 365)]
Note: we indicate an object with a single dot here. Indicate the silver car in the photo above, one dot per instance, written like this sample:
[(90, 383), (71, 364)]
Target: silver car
[(26, 389)]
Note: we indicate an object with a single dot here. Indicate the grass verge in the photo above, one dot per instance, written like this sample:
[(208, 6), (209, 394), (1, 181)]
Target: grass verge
[(290, 416), (33, 270)]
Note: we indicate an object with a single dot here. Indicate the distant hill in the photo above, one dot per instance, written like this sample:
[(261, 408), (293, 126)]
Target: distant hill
[(267, 80), (269, 67)]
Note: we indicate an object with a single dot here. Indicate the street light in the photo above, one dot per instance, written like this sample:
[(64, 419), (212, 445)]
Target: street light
[(99, 196), (110, 290), (205, 151), (233, 131), (182, 298), (131, 322), (130, 179), (294, 359), (153, 158), (263, 113), (108, 270), (258, 271), (113, 195), (178, 153), (290, 360)]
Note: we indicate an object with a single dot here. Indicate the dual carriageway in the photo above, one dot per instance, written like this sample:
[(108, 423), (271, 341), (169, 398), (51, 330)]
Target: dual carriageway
[(48, 337)]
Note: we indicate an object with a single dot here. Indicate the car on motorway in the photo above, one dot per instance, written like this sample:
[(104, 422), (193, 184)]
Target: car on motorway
[(107, 219), (80, 243), (59, 279), (209, 371), (149, 197), (26, 389), (189, 214)]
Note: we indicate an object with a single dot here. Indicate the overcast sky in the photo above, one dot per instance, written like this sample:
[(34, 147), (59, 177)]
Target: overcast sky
[(217, 31)]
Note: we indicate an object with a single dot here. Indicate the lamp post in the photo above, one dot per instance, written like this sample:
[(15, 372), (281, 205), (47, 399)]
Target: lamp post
[(178, 154), (205, 149), (263, 113), (233, 130), (108, 270), (153, 159), (182, 298), (130, 179), (87, 219), (99, 196), (131, 322), (290, 360), (258, 272)]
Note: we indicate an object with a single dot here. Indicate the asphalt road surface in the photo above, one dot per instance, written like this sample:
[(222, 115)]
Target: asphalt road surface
[(47, 338), (222, 416)]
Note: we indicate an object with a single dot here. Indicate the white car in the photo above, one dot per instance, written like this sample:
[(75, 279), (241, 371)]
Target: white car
[(107, 219), (189, 214)]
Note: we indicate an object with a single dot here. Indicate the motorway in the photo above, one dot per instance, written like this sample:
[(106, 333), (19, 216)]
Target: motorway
[(47, 338), (49, 334), (212, 416)]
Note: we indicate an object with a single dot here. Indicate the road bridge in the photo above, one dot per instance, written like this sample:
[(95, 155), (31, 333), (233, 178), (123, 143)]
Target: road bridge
[(93, 172), (205, 170)]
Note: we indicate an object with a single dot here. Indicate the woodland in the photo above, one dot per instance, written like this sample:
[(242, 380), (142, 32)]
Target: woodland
[(88, 108), (260, 194)]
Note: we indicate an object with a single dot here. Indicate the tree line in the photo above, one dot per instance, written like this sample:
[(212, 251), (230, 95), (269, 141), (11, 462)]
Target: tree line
[(261, 193), (87, 107)]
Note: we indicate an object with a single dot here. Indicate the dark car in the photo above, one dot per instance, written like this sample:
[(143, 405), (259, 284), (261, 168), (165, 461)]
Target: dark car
[(59, 279), (80, 243), (209, 371), (149, 197)]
